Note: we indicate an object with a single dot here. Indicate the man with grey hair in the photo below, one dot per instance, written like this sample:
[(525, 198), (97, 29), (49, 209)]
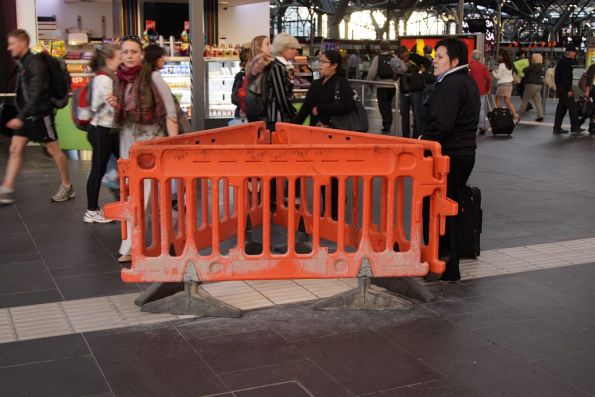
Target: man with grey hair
[(285, 48), (482, 77)]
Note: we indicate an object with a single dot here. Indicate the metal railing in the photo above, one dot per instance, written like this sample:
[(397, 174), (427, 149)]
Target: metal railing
[(367, 95)]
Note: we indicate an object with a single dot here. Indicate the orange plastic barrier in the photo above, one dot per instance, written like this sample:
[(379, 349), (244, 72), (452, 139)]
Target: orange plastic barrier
[(224, 179)]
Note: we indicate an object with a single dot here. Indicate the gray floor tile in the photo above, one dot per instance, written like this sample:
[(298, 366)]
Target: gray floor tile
[(432, 337), (92, 285), (304, 371), (575, 368), (365, 362), (535, 339), (153, 363), (78, 376), (433, 388), (25, 277), (288, 389), (47, 349), (489, 318), (494, 371), (246, 350)]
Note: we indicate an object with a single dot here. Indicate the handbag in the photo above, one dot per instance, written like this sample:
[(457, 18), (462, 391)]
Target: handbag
[(516, 79), (7, 112), (585, 107), (356, 120)]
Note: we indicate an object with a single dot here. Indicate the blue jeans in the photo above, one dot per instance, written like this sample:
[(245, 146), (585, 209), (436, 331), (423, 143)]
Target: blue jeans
[(410, 102)]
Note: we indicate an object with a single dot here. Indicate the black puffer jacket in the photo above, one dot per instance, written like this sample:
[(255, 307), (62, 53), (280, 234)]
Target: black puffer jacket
[(564, 74), (34, 99), (450, 113), (534, 74)]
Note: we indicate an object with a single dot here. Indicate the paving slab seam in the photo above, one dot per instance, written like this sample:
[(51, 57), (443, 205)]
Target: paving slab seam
[(205, 362)]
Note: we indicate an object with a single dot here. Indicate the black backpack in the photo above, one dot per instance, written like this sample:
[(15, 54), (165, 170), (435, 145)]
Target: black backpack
[(385, 70), (59, 80), (256, 94)]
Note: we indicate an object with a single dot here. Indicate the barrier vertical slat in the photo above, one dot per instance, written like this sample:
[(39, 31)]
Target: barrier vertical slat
[(242, 202), (226, 210), (390, 214), (341, 215), (123, 198), (182, 204), (155, 240), (327, 199), (191, 214), (215, 216), (291, 215), (367, 208), (383, 201), (266, 211), (316, 217), (165, 220), (204, 198), (401, 236)]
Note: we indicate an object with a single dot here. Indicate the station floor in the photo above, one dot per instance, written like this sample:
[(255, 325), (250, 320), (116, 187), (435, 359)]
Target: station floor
[(521, 322)]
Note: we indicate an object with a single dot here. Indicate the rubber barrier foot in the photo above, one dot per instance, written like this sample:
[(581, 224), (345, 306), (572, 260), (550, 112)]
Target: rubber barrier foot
[(406, 286), (364, 298), (431, 277), (157, 291), (192, 301)]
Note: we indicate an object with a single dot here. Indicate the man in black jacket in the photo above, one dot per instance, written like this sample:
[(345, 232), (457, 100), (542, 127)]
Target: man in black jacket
[(450, 116), (35, 118), (565, 95), (412, 83)]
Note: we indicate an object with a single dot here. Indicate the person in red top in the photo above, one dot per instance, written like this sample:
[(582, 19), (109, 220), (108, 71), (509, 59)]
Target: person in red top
[(482, 77)]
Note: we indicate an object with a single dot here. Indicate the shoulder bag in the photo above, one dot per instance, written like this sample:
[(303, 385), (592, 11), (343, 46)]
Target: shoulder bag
[(356, 120)]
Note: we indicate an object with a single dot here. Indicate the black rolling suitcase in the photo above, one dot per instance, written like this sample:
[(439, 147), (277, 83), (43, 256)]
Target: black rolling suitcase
[(501, 120), (470, 223)]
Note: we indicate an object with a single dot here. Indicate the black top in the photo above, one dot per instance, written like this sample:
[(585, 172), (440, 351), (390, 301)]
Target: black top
[(237, 84), (564, 74), (534, 74), (450, 113), (322, 96), (33, 87)]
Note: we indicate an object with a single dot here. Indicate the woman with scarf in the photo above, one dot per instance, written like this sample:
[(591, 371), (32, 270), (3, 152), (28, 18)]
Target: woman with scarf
[(145, 108), (450, 115)]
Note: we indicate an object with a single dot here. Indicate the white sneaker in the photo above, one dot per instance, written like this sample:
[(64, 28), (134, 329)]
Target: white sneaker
[(96, 217), (6, 195)]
